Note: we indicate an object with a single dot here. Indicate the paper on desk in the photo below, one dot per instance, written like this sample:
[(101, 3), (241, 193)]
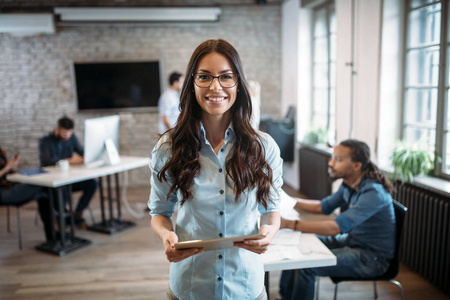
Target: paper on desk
[(287, 201), (287, 237), (284, 246)]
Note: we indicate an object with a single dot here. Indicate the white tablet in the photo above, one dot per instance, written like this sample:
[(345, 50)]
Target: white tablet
[(215, 244)]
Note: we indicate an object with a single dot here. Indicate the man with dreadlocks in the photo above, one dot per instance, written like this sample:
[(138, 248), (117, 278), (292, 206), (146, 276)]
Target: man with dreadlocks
[(362, 237)]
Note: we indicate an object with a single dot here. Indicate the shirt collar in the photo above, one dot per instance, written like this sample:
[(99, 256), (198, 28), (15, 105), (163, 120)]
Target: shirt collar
[(229, 133), (357, 184)]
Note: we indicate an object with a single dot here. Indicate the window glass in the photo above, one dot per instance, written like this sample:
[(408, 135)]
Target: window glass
[(420, 107), (321, 50), (332, 76), (417, 3), (446, 156), (320, 23), (324, 60), (423, 67), (425, 26), (447, 115), (425, 137), (321, 76)]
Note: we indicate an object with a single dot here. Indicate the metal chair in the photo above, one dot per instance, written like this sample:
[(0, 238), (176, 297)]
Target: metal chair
[(392, 272), (19, 230)]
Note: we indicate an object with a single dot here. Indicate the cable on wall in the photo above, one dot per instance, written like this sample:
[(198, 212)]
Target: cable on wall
[(140, 206)]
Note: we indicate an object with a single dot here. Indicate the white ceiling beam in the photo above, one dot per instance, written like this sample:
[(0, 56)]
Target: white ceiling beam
[(27, 24), (88, 14)]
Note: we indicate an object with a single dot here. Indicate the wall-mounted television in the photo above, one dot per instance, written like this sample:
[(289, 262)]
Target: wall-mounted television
[(117, 86)]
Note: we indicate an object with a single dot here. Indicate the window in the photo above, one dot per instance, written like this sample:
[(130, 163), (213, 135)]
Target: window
[(426, 83), (324, 70)]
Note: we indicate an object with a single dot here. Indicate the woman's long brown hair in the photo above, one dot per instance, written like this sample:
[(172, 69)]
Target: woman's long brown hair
[(246, 165)]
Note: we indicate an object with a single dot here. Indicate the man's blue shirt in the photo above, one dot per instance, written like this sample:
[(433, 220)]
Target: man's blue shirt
[(52, 149), (213, 213), (369, 219)]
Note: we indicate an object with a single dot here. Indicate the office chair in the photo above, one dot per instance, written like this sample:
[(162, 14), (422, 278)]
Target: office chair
[(283, 132), (392, 272), (19, 230)]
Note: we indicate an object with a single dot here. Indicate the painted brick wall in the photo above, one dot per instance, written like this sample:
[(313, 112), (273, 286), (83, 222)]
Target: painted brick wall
[(36, 81)]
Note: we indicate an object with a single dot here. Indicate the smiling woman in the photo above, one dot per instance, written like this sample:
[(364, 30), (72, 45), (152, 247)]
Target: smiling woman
[(214, 98), (221, 175)]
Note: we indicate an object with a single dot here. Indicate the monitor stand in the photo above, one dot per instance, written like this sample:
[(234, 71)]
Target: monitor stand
[(112, 153), (111, 158)]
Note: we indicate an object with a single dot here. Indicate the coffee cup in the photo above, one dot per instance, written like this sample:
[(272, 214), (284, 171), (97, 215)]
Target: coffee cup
[(63, 165)]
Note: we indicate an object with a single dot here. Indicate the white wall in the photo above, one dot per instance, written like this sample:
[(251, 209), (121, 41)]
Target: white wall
[(290, 74), (357, 105), (390, 83)]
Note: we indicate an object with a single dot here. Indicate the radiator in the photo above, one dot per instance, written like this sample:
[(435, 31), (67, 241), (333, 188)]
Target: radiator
[(425, 245)]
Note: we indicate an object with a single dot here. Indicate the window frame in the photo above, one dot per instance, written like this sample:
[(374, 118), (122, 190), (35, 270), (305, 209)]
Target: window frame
[(442, 84)]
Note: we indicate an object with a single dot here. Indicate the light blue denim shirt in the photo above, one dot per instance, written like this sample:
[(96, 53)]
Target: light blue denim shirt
[(213, 213)]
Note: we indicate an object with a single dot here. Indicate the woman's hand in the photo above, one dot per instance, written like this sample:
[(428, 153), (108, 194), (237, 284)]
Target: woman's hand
[(173, 255), (12, 163), (259, 246), (270, 225)]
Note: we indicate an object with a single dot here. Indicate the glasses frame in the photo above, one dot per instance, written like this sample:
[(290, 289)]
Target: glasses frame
[(218, 79)]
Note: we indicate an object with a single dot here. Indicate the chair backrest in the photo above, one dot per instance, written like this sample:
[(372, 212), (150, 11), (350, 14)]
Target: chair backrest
[(290, 115), (400, 212)]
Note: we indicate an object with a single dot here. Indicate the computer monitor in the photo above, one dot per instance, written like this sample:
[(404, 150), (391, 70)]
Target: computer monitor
[(101, 141)]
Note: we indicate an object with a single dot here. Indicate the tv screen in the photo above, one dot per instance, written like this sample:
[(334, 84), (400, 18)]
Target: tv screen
[(117, 85)]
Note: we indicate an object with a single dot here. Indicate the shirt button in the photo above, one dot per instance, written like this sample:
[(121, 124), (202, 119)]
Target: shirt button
[(220, 256), (221, 150), (221, 213), (228, 133), (220, 170), (221, 234), (221, 192), (219, 278)]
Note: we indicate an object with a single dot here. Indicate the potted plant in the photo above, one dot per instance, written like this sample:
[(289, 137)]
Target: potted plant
[(410, 160), (316, 136)]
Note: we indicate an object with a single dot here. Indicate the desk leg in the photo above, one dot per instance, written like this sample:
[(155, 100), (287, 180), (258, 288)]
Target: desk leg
[(119, 212), (113, 225), (266, 283), (62, 243), (111, 216), (102, 197), (52, 214)]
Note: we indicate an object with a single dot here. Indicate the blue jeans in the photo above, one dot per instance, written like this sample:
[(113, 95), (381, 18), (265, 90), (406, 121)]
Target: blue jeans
[(351, 262), (22, 193), (88, 187)]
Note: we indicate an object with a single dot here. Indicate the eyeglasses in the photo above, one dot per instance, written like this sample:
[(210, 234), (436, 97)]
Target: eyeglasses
[(227, 80)]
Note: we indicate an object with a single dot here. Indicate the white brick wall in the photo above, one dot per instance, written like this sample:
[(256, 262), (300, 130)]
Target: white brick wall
[(36, 81)]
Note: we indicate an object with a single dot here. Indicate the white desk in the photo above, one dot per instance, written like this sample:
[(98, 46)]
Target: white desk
[(63, 243), (55, 178), (313, 252)]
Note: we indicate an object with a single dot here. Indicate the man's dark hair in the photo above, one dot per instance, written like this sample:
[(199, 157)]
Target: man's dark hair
[(361, 153), (66, 123), (175, 76)]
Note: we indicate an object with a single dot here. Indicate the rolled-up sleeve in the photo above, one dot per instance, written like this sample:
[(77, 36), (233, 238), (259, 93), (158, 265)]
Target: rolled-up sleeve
[(333, 201), (275, 162), (158, 203)]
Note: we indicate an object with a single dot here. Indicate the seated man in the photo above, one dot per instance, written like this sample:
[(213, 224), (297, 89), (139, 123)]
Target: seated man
[(62, 143), (16, 194), (362, 237)]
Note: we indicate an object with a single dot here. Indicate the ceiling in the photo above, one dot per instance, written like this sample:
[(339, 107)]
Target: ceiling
[(48, 5)]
